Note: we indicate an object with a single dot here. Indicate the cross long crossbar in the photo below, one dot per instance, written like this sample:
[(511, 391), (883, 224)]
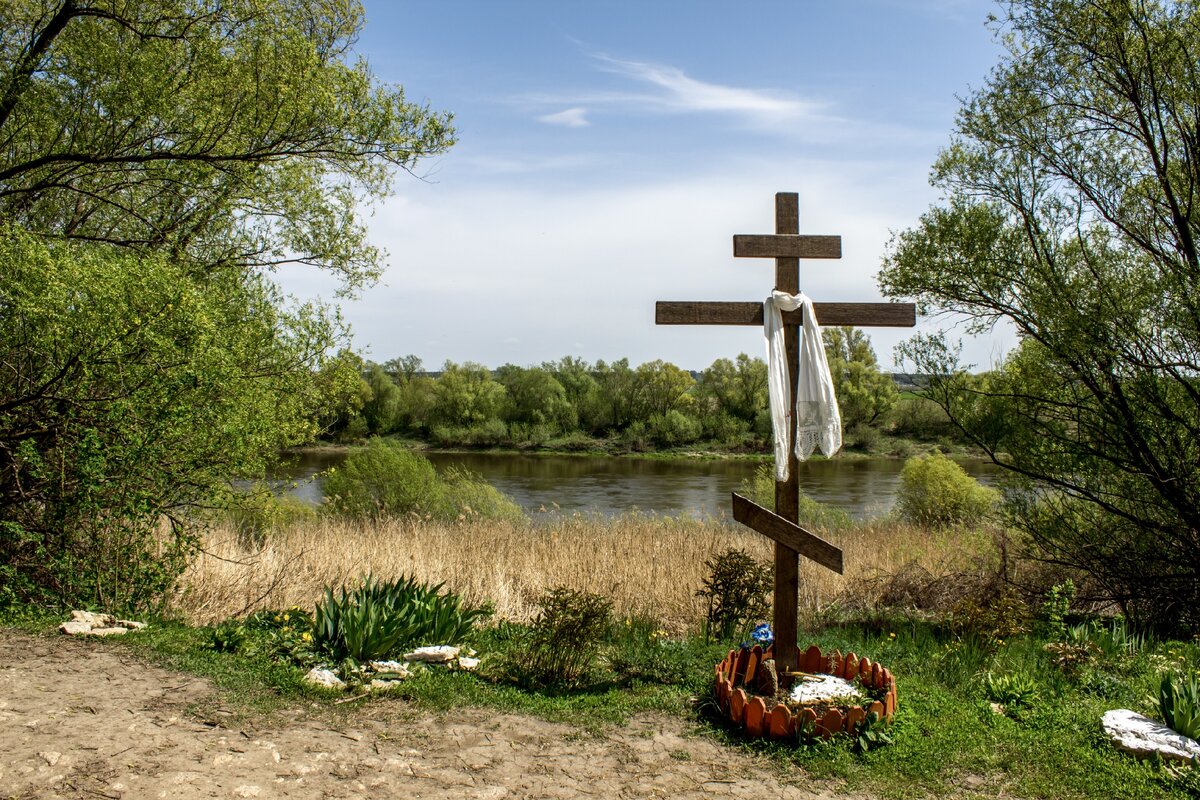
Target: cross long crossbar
[(888, 315)]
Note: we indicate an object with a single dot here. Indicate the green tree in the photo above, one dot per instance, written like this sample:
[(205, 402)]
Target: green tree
[(162, 156), (661, 387), (864, 394), (616, 396), (465, 395), (535, 397), (130, 393), (583, 393), (382, 406), (1072, 185), (234, 134)]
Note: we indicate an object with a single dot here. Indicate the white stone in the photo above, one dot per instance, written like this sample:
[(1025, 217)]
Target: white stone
[(247, 791), (467, 663), (108, 631), (398, 668), (51, 757), (86, 623), (434, 654), (324, 677), (1143, 737), (820, 687)]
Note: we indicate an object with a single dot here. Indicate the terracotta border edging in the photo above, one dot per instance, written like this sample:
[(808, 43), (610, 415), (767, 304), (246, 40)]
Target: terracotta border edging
[(734, 690)]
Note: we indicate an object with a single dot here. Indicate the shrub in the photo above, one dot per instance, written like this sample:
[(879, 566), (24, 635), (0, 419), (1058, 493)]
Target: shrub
[(385, 479), (1179, 703), (993, 617), (382, 479), (737, 588), (377, 619), (560, 649), (936, 492), (1056, 607), (1011, 690), (673, 428), (465, 494)]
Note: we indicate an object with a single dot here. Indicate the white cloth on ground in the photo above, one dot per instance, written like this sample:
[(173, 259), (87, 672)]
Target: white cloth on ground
[(818, 422)]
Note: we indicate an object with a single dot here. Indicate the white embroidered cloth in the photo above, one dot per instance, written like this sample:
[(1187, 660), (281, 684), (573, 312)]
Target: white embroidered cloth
[(818, 422)]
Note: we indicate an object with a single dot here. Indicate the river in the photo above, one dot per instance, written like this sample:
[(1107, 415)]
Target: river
[(616, 485)]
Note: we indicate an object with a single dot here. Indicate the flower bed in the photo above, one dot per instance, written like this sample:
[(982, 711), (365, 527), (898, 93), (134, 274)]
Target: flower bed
[(748, 693)]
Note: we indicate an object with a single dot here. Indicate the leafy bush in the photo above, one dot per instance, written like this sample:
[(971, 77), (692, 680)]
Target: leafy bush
[(560, 649), (489, 433), (994, 616), (465, 494), (1011, 690), (673, 428), (133, 391), (936, 492), (737, 588), (386, 479), (377, 619), (1179, 704), (1056, 607)]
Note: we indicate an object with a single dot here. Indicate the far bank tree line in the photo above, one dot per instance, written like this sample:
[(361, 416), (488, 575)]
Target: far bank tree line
[(570, 403)]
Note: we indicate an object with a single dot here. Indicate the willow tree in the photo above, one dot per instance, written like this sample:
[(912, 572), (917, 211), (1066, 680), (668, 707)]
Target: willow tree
[(1071, 191), (158, 160)]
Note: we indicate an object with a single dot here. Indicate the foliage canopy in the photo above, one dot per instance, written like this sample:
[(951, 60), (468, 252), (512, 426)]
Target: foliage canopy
[(157, 158), (1071, 186)]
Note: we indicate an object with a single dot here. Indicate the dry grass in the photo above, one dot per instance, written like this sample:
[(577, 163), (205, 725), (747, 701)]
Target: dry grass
[(651, 565)]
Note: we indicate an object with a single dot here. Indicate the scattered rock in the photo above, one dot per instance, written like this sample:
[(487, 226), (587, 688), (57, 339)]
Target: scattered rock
[(51, 757), (87, 623), (324, 677), (434, 654), (394, 670), (468, 663), (1143, 737)]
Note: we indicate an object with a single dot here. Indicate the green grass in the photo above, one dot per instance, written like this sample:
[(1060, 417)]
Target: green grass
[(947, 740)]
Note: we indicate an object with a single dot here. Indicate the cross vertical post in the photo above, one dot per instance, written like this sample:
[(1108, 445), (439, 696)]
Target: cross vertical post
[(787, 247), (787, 493)]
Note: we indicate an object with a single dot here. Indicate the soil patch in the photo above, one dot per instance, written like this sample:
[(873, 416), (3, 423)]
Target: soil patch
[(78, 719)]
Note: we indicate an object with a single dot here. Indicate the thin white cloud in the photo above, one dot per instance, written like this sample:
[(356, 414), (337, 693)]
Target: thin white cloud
[(570, 118), (683, 94)]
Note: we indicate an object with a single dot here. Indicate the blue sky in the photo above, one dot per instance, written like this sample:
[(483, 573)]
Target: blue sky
[(608, 151)]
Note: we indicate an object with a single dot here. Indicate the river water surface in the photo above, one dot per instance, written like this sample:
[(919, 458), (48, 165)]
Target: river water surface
[(615, 485)]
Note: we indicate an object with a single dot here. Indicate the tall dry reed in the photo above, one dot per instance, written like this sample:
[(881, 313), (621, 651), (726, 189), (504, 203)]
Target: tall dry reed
[(644, 564)]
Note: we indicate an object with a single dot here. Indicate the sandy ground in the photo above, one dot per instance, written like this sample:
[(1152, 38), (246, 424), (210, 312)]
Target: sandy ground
[(81, 720)]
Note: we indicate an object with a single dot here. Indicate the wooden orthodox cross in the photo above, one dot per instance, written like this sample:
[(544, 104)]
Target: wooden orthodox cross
[(787, 247)]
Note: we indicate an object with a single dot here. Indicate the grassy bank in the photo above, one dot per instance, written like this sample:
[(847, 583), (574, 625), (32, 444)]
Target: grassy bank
[(999, 694)]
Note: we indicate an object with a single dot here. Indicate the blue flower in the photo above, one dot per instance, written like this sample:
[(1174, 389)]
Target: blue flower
[(763, 634)]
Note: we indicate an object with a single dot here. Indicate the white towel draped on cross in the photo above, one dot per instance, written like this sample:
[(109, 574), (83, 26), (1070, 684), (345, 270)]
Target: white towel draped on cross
[(818, 422)]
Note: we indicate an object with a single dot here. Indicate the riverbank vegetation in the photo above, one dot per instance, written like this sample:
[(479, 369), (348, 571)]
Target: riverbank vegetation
[(571, 405)]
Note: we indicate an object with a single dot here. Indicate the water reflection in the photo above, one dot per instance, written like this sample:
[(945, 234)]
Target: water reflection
[(611, 486)]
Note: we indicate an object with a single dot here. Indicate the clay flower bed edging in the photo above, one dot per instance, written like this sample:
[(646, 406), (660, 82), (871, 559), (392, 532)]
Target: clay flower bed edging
[(739, 680)]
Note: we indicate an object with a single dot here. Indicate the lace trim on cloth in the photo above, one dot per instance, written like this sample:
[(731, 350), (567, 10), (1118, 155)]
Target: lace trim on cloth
[(818, 422)]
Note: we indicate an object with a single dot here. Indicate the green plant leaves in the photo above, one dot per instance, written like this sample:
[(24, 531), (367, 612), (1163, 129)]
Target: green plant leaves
[(377, 619)]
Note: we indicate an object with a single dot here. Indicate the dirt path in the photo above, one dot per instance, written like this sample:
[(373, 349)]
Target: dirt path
[(80, 720)]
